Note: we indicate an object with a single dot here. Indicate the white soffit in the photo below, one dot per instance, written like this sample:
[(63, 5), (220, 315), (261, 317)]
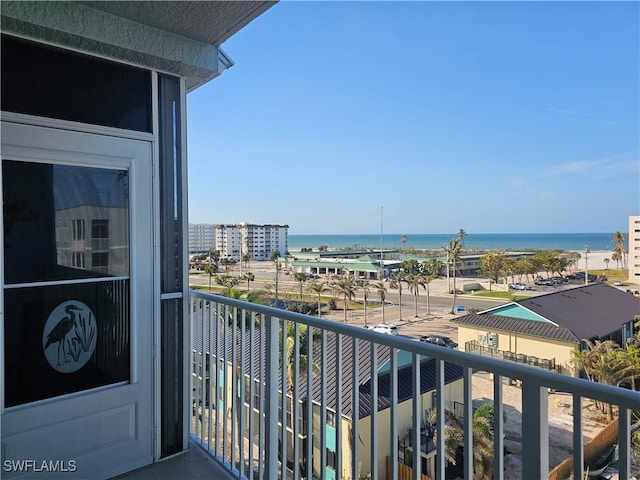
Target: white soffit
[(178, 37)]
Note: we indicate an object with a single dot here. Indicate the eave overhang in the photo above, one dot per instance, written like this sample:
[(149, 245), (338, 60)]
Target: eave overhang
[(181, 38)]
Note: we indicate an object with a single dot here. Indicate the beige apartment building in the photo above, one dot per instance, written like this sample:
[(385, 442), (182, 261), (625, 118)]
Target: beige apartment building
[(634, 248), (258, 241)]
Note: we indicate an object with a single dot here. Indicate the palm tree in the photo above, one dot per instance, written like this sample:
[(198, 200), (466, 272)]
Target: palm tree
[(404, 239), (249, 277), (347, 288), (318, 287), (274, 256), (431, 268), (601, 362), (617, 256), (462, 234), (606, 262), (366, 290), (619, 239), (482, 431), (381, 288), (415, 281), (301, 277), (453, 251), (302, 354), (629, 359), (396, 280), (211, 269), (574, 259), (245, 259), (230, 291), (411, 266)]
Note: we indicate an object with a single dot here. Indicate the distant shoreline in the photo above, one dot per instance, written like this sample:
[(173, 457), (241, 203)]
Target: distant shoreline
[(473, 241), (595, 258)]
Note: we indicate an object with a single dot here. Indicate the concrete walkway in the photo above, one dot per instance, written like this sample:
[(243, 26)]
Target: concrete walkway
[(194, 464)]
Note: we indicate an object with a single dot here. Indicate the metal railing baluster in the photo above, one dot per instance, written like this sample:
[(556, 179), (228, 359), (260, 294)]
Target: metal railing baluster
[(498, 430), (218, 376)]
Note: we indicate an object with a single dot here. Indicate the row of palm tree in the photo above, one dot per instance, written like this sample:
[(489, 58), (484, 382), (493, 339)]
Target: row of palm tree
[(416, 275), (553, 262)]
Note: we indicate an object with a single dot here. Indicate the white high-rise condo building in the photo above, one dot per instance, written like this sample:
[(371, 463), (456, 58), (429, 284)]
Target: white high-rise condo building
[(257, 240), (201, 237), (634, 248)]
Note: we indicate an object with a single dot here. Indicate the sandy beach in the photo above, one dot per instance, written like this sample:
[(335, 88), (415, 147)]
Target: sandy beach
[(596, 260)]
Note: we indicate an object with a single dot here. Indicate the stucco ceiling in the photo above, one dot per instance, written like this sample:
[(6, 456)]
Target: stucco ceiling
[(210, 22), (176, 37)]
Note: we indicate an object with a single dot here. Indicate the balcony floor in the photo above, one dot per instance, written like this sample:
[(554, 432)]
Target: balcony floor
[(194, 464)]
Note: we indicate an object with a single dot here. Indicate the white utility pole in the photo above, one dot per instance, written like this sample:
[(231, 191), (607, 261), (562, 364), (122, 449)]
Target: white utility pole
[(586, 268), (381, 254)]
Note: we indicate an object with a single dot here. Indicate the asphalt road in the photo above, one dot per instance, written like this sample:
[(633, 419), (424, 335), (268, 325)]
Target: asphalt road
[(436, 320)]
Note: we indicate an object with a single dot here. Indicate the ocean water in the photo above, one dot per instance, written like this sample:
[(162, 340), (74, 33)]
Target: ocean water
[(478, 241)]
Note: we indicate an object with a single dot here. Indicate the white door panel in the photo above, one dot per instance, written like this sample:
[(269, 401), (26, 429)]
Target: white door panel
[(77, 304)]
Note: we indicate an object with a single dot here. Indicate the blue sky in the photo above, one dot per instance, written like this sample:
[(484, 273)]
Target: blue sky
[(493, 117)]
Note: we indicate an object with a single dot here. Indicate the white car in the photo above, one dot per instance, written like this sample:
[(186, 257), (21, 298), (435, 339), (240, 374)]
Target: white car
[(387, 328)]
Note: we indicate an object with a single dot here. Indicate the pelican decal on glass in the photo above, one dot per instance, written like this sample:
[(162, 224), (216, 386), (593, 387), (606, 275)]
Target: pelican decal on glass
[(69, 336)]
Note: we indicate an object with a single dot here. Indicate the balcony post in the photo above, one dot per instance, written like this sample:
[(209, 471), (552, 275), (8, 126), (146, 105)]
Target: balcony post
[(272, 353), (624, 443), (498, 428), (578, 446), (535, 429)]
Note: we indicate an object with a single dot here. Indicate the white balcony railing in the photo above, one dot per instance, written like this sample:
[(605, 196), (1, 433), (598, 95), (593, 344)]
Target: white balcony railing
[(239, 373)]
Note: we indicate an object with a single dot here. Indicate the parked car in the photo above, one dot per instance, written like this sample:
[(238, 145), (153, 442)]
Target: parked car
[(386, 328), (544, 281), (439, 340), (519, 286)]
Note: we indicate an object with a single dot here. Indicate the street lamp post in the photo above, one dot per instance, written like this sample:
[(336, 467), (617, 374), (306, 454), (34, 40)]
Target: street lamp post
[(586, 268)]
